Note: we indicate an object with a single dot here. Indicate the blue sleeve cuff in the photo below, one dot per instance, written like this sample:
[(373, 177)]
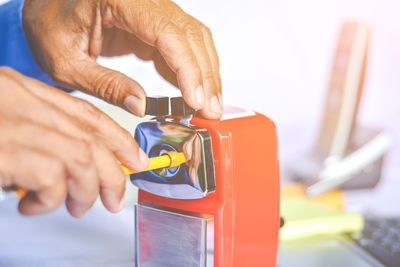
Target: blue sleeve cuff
[(14, 49)]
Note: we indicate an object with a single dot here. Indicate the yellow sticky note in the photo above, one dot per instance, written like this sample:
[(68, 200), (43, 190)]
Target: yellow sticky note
[(306, 219)]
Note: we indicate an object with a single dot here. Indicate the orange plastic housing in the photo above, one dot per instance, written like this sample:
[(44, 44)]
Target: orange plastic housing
[(245, 204)]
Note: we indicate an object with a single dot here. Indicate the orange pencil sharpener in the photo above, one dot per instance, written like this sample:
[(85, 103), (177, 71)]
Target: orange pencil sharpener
[(221, 208)]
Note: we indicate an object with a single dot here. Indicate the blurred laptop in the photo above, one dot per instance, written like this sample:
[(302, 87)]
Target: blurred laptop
[(378, 245)]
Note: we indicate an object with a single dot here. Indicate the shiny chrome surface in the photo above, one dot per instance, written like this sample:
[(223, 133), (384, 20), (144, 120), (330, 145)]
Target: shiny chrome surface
[(192, 180)]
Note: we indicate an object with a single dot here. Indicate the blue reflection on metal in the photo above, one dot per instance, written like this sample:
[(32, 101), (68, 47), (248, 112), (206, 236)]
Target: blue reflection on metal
[(155, 138)]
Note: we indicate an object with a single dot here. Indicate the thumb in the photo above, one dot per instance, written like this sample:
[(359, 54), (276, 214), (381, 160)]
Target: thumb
[(110, 85)]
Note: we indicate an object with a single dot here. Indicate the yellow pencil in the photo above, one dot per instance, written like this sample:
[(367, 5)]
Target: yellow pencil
[(167, 160)]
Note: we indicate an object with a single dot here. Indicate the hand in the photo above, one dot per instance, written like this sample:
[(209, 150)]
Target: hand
[(66, 37), (61, 148)]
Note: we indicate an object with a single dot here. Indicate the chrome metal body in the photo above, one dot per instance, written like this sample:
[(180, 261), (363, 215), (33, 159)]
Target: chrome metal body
[(169, 237), (192, 180)]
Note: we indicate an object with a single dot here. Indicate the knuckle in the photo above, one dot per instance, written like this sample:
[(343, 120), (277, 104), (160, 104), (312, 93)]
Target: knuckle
[(208, 75), (83, 154), (89, 111), (192, 31), (205, 30), (165, 26), (53, 172), (11, 128), (109, 87), (45, 181), (127, 137), (88, 137)]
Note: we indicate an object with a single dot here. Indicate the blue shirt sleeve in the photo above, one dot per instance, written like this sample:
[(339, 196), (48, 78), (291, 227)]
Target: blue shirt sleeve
[(14, 50)]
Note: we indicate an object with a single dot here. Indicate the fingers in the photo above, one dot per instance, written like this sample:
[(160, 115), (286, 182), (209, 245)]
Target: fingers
[(76, 155), (157, 29), (112, 180), (68, 47), (202, 45), (38, 172), (163, 69), (178, 54), (213, 56), (110, 177), (89, 166), (117, 139), (212, 52)]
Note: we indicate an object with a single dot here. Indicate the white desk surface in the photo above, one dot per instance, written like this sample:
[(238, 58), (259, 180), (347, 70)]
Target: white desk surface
[(57, 239)]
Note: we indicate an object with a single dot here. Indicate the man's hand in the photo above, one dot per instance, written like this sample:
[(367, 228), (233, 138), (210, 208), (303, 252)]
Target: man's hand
[(59, 147), (67, 36)]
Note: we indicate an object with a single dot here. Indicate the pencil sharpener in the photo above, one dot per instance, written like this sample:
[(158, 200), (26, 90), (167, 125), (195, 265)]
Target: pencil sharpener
[(221, 208)]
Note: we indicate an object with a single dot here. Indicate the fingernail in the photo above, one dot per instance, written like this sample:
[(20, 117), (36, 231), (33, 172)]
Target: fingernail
[(135, 105), (200, 95), (215, 104), (144, 159)]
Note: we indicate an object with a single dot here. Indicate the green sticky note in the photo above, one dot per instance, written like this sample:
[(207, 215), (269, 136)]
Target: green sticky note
[(305, 219)]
